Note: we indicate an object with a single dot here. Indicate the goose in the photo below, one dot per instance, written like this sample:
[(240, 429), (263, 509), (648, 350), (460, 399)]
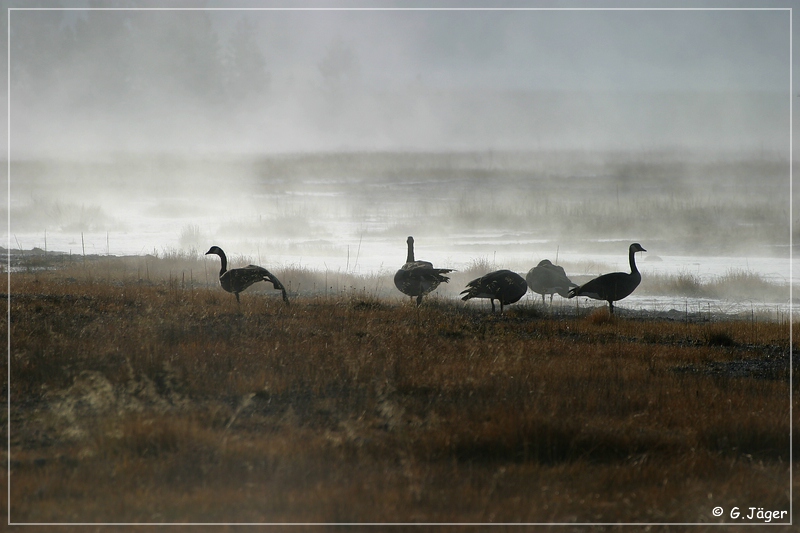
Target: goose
[(614, 286), (504, 285), (418, 278), (547, 278), (236, 280)]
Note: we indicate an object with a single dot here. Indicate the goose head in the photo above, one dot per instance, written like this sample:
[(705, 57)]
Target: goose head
[(215, 250), (636, 247)]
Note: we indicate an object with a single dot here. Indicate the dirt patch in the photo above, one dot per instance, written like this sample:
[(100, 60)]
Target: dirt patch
[(771, 366)]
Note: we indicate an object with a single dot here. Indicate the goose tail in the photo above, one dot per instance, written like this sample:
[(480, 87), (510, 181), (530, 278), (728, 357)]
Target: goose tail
[(439, 274), (573, 292), (471, 291)]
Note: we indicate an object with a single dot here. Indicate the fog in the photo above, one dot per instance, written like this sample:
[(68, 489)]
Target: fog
[(278, 81), (323, 138)]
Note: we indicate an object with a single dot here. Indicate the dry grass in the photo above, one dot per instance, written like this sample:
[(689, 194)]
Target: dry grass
[(166, 402), (736, 284)]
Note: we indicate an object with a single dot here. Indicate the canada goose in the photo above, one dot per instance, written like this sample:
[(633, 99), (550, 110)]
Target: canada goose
[(547, 278), (418, 278), (506, 286), (236, 280), (614, 286)]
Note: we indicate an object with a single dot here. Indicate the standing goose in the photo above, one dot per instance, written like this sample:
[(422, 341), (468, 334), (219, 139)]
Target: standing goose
[(418, 278), (547, 278), (506, 286), (614, 286), (236, 280)]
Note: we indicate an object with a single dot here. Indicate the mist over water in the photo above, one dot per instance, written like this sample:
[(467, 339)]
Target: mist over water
[(323, 139)]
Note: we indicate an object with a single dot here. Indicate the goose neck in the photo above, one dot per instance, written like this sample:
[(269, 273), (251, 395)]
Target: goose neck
[(223, 262), (632, 260), (410, 257)]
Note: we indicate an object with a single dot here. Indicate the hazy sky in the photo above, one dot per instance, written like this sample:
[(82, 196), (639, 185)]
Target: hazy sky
[(561, 50), (400, 79)]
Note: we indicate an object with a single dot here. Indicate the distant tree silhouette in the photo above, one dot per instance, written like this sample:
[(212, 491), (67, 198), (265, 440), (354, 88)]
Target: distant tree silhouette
[(40, 54), (99, 56), (245, 65), (121, 76), (113, 58), (181, 52), (339, 64)]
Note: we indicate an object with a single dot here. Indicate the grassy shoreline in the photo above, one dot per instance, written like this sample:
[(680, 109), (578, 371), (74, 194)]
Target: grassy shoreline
[(164, 402), (188, 270)]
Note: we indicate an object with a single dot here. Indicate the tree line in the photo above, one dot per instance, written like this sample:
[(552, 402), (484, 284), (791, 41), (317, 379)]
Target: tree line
[(105, 59)]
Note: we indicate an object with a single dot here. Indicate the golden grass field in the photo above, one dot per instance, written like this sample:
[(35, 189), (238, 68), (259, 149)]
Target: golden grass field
[(162, 401)]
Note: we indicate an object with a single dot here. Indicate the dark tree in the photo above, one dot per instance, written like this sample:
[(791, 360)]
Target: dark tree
[(246, 69), (40, 53), (339, 65)]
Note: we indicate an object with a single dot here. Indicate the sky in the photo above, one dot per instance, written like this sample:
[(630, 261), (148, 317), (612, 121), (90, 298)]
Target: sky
[(400, 79), (552, 50)]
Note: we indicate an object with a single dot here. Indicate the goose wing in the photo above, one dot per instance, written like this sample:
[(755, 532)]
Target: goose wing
[(419, 277), (424, 271), (238, 279), (506, 286), (547, 278), (614, 286)]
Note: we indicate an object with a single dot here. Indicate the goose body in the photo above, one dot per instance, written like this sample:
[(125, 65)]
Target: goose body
[(418, 278), (614, 286), (547, 278), (236, 280), (503, 285)]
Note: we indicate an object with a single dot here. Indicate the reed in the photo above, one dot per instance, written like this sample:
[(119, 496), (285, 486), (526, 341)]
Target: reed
[(151, 402)]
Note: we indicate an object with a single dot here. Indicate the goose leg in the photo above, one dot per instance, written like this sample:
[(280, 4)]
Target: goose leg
[(611, 306), (237, 297), (419, 300), (492, 300)]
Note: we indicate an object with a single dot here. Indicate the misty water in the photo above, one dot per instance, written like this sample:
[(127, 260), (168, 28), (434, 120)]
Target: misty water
[(321, 139), (351, 212)]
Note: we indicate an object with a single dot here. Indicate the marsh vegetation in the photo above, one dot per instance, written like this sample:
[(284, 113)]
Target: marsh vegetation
[(152, 398), (322, 205)]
